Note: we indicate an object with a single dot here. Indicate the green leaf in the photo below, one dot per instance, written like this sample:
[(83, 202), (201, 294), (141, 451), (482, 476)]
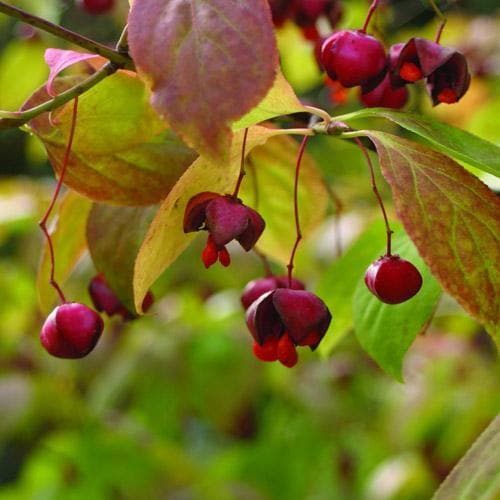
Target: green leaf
[(386, 331), (69, 241), (452, 141), (280, 100), (452, 218), (114, 236), (477, 475), (165, 239), (208, 63), (270, 175), (112, 161), (338, 283)]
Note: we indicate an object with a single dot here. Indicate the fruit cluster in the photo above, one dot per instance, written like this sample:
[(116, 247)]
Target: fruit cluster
[(353, 58), (281, 314)]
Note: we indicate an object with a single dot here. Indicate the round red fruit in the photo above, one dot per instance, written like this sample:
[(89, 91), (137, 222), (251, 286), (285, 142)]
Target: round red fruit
[(385, 95), (71, 331), (354, 58), (392, 279)]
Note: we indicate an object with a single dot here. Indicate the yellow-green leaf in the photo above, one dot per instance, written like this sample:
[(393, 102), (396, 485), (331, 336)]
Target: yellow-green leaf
[(270, 174), (120, 154), (280, 100)]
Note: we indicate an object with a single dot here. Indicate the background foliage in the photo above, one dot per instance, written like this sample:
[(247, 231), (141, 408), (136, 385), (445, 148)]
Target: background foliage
[(174, 405)]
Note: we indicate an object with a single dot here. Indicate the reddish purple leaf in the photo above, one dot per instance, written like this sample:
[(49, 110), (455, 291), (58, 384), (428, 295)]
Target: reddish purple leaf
[(57, 60), (208, 63), (452, 217)]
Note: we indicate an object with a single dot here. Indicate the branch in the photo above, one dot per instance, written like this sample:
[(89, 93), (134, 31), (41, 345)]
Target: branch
[(10, 119), (117, 56)]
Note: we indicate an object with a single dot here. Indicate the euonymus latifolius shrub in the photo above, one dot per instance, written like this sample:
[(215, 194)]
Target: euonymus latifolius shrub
[(182, 128)]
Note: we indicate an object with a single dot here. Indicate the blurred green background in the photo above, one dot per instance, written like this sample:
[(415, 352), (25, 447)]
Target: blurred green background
[(174, 405)]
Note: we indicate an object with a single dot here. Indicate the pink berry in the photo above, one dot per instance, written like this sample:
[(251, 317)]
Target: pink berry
[(385, 95), (97, 6), (103, 297), (392, 279), (71, 331), (354, 58), (281, 10), (105, 300)]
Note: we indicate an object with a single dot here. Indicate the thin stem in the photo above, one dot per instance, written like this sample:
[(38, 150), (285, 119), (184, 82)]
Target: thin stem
[(43, 222), (440, 31), (295, 131), (388, 229), (441, 16), (319, 112), (296, 208), (265, 262), (369, 15), (242, 165), (118, 57), (17, 118), (122, 43)]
